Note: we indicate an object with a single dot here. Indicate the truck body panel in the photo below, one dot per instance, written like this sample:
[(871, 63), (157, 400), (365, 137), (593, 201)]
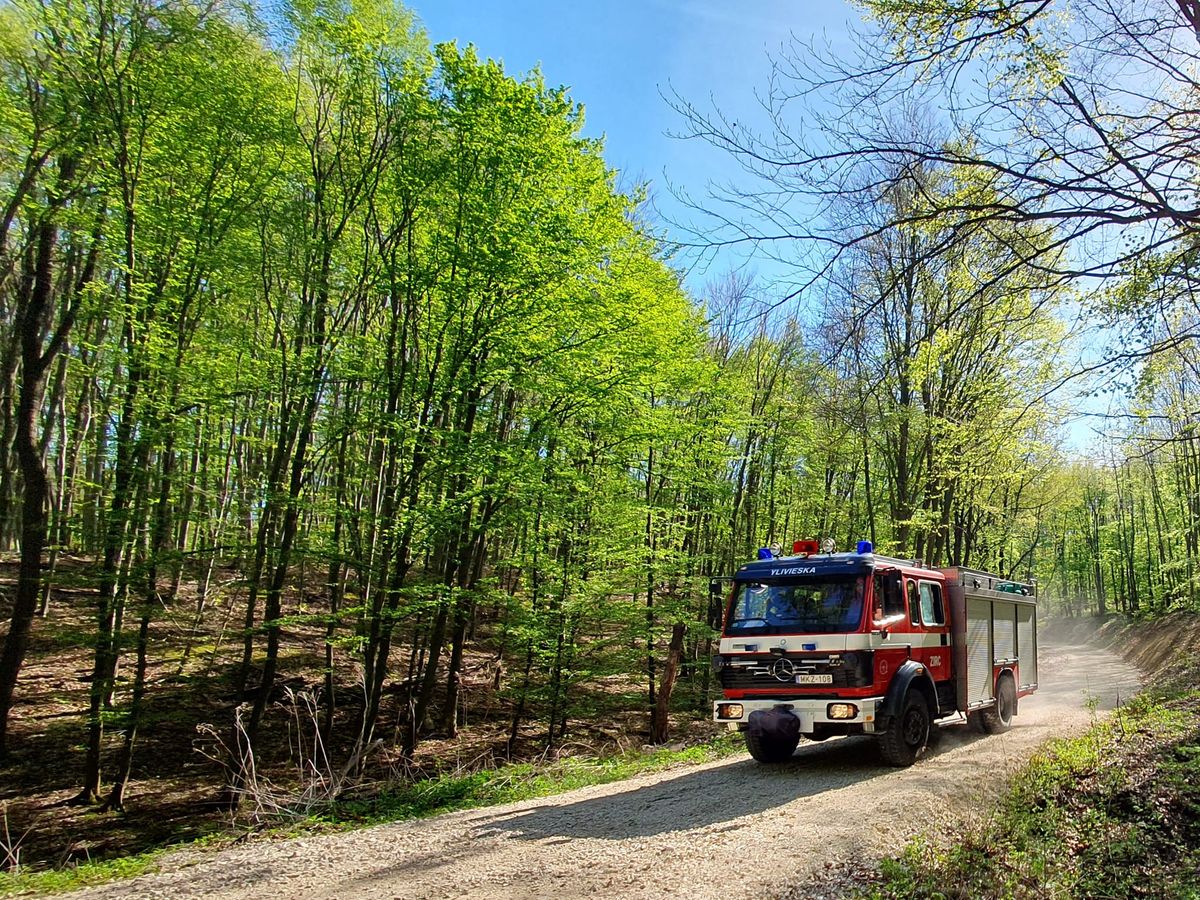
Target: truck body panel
[(997, 629)]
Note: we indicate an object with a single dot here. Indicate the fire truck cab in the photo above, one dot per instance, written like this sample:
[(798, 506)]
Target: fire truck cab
[(821, 644)]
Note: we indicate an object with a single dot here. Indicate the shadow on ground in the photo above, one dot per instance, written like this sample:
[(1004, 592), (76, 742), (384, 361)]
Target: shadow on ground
[(716, 794)]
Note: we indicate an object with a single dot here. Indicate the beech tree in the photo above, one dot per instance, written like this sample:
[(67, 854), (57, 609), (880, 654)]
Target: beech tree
[(338, 363)]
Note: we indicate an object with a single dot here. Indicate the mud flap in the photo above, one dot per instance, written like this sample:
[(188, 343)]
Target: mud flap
[(777, 725)]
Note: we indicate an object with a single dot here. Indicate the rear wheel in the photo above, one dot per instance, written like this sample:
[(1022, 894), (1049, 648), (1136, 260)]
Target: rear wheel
[(998, 717), (908, 734), (768, 749)]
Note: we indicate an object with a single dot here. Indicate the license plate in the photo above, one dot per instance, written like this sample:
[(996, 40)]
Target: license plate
[(814, 679)]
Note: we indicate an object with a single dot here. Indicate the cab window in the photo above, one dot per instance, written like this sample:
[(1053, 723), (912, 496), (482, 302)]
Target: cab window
[(797, 606), (888, 598), (913, 603), (932, 612)]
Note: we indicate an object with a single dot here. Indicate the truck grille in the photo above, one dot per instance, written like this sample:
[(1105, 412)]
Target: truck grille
[(763, 672)]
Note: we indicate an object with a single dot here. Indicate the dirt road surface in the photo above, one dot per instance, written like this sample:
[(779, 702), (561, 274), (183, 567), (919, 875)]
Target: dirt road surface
[(726, 829)]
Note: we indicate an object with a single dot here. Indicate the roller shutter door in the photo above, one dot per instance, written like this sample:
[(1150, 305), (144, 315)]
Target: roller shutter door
[(979, 650), (1005, 630), (1026, 645)]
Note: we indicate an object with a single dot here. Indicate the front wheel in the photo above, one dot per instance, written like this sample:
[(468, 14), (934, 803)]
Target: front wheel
[(998, 717), (768, 749), (908, 734)]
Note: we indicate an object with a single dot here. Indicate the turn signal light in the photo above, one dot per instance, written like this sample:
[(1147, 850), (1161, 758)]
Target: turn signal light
[(841, 711), (730, 710)]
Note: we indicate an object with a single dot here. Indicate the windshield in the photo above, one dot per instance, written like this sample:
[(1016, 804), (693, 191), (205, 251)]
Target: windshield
[(807, 606)]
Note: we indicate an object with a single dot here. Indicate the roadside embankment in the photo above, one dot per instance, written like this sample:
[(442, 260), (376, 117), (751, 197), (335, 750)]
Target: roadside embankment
[(1154, 646), (1112, 813)]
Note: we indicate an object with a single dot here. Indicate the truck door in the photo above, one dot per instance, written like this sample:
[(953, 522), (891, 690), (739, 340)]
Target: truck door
[(927, 608)]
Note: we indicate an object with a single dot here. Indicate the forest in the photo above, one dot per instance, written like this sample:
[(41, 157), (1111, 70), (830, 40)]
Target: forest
[(340, 366)]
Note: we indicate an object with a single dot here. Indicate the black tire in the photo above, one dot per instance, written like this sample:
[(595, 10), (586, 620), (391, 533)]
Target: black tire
[(907, 735), (998, 717), (770, 750)]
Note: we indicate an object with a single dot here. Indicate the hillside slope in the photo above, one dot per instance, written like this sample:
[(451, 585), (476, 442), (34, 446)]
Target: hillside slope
[(726, 829)]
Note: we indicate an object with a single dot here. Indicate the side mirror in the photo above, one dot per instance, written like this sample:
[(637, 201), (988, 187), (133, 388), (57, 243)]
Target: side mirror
[(716, 587)]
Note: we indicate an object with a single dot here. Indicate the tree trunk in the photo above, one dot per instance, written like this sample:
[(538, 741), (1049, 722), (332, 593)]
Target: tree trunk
[(33, 506), (661, 726)]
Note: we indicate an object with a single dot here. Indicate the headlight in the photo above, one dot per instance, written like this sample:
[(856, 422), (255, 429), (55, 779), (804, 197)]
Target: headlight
[(841, 711), (730, 710)]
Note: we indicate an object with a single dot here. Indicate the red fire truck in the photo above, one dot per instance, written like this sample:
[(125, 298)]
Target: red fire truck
[(820, 643)]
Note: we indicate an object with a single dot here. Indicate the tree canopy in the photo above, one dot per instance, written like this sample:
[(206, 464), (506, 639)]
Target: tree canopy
[(331, 358)]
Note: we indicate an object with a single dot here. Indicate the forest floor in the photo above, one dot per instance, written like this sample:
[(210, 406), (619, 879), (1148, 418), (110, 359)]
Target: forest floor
[(178, 776), (728, 828)]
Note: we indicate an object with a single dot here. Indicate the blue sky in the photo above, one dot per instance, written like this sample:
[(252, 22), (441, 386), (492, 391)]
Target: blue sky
[(619, 57)]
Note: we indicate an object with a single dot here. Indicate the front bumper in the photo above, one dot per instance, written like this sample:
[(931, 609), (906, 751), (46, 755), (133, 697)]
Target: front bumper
[(809, 712)]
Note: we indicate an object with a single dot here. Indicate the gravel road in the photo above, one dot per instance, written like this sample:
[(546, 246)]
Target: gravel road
[(726, 829)]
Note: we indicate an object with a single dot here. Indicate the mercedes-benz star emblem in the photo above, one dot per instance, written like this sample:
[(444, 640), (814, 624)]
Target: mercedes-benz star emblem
[(783, 669)]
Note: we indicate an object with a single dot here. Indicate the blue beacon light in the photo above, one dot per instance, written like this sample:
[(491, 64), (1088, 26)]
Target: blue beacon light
[(865, 547), (765, 553)]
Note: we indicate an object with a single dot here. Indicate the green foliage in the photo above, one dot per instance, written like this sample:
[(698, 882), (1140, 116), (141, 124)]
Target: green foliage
[(380, 375), (59, 881)]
